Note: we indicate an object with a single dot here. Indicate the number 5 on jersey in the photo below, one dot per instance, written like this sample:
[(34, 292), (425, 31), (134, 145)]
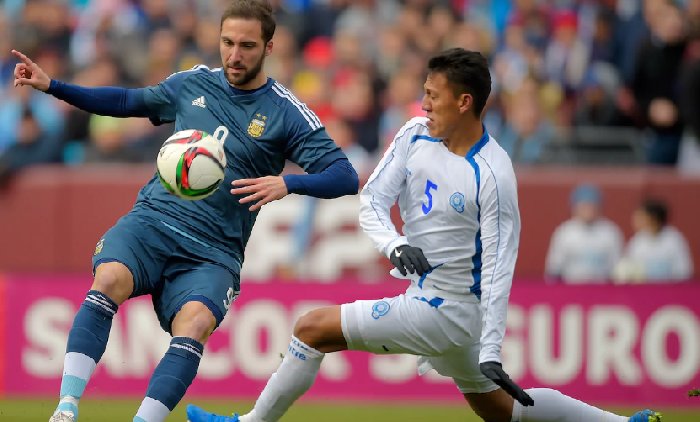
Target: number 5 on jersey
[(428, 186)]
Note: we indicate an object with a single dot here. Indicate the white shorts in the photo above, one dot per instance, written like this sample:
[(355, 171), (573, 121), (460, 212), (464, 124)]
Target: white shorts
[(445, 335)]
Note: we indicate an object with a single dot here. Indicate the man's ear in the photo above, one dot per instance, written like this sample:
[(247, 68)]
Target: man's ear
[(466, 102)]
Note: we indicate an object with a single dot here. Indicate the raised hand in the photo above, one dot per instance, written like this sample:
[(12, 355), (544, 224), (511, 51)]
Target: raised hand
[(29, 73), (261, 190)]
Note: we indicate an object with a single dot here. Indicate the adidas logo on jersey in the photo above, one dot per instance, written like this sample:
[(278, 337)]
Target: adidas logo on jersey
[(199, 102)]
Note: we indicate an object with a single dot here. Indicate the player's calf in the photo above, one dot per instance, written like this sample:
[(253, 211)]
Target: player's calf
[(170, 380)]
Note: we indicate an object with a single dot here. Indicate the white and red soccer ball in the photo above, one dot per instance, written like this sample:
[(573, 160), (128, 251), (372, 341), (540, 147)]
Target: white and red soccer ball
[(191, 164)]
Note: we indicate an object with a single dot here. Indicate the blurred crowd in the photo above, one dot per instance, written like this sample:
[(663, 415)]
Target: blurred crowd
[(557, 65)]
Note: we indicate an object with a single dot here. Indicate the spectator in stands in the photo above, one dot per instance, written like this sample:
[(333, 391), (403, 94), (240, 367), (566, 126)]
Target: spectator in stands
[(566, 56), (360, 109), (320, 18), (401, 102), (7, 61), (515, 60), (113, 141), (534, 16), (527, 132), (364, 19), (655, 82), (600, 35), (585, 248), (107, 143), (286, 63), (32, 146), (595, 105), (629, 31), (657, 252), (689, 154), (29, 118)]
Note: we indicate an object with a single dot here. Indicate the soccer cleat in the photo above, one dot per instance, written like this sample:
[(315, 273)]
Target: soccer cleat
[(196, 414), (63, 416), (646, 416)]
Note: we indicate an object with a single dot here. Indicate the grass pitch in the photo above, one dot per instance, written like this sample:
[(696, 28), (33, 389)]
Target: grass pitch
[(33, 410)]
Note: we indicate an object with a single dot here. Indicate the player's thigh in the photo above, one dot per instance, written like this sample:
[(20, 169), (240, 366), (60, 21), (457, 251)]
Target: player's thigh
[(399, 324), (210, 284), (141, 246)]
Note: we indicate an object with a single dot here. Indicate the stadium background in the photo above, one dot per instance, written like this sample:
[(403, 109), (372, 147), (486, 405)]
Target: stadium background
[(571, 85)]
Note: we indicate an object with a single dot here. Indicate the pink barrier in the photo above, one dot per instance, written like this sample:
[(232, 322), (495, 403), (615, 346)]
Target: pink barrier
[(634, 345)]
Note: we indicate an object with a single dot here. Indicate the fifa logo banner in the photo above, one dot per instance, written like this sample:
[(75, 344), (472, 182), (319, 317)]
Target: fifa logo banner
[(614, 345)]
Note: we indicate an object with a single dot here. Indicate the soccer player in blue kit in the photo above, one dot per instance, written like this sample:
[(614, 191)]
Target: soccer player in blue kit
[(188, 254)]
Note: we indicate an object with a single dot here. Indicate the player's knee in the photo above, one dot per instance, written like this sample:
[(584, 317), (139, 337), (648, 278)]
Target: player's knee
[(309, 328), (114, 280), (496, 406), (194, 320)]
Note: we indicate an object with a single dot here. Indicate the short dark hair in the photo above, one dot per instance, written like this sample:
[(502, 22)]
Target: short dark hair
[(259, 10), (656, 209), (467, 72)]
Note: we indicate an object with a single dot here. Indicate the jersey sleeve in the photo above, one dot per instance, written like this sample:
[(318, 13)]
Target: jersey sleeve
[(161, 99), (500, 236), (311, 148), (380, 193)]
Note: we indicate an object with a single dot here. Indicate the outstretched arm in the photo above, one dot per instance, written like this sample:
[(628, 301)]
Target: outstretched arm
[(107, 101)]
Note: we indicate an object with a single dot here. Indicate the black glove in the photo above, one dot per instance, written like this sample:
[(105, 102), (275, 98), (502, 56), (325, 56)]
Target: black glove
[(494, 372), (409, 259)]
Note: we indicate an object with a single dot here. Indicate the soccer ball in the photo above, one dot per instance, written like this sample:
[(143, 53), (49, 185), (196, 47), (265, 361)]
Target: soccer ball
[(191, 164)]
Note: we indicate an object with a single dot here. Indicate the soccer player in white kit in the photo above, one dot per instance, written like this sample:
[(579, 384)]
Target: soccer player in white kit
[(457, 194)]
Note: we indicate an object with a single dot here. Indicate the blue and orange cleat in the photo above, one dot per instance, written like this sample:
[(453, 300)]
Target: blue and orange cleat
[(643, 416), (197, 414)]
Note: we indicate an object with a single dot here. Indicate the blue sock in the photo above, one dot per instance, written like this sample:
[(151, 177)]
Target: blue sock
[(87, 341), (170, 380)]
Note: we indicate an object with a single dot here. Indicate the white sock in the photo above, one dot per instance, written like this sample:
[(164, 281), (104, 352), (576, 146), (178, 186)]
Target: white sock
[(295, 375), (151, 410), (553, 406)]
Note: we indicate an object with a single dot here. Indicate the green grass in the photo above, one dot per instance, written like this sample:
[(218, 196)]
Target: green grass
[(30, 410)]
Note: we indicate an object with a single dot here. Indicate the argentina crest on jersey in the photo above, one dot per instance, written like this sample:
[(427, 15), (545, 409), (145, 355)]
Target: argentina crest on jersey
[(99, 246), (257, 125)]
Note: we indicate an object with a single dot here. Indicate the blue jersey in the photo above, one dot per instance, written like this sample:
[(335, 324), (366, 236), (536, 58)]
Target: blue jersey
[(260, 130)]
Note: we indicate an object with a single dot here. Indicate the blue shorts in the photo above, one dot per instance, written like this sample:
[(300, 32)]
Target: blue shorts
[(173, 268)]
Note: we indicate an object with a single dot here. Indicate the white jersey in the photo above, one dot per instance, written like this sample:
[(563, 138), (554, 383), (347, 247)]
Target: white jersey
[(461, 211)]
